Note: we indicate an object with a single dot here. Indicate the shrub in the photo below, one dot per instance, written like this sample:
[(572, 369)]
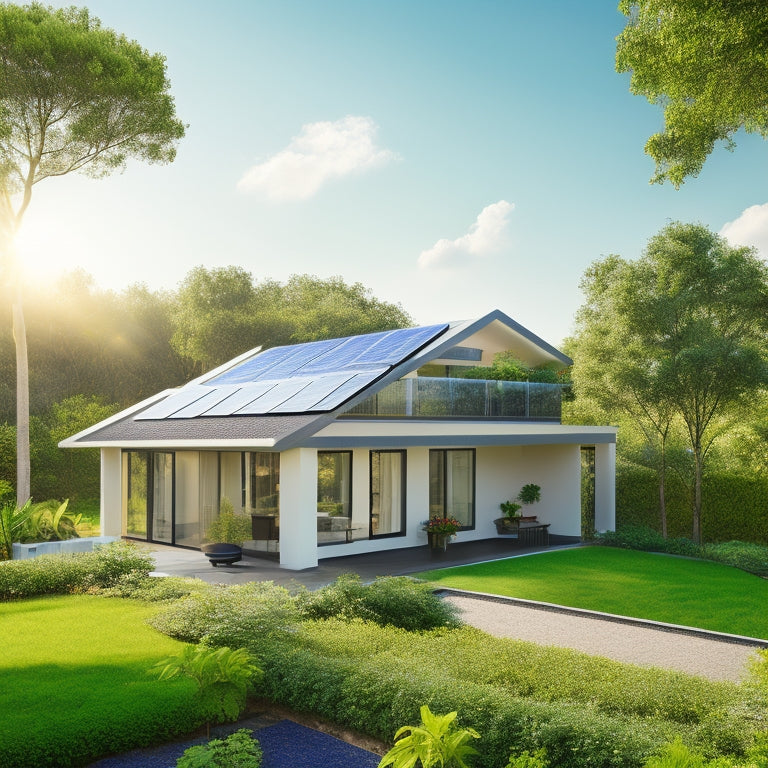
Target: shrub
[(238, 750), (396, 600), (151, 589), (50, 521), (376, 698), (648, 540), (585, 711), (752, 558), (62, 574), (229, 527), (241, 615), (749, 557)]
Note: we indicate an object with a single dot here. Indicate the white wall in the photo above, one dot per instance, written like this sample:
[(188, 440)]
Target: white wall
[(298, 508), (501, 472), (111, 503), (605, 487)]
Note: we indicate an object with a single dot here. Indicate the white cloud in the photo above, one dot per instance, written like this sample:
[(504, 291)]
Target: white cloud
[(321, 152), (751, 228), (487, 235)]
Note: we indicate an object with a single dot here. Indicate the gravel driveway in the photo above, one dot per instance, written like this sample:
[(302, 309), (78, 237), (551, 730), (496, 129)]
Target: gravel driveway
[(635, 643)]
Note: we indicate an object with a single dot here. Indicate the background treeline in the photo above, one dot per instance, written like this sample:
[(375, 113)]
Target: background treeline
[(94, 351)]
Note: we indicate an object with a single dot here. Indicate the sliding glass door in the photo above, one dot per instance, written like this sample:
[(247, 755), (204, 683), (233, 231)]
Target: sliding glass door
[(387, 493)]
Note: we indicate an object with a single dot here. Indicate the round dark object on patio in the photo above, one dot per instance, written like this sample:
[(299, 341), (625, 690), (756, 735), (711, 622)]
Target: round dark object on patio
[(222, 554)]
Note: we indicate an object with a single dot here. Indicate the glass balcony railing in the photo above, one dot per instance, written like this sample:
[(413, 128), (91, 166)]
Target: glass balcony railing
[(426, 397)]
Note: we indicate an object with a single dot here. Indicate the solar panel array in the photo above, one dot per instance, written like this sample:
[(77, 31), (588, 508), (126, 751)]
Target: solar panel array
[(315, 377)]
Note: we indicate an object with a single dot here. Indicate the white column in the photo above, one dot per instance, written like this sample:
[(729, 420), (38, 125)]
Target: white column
[(605, 487), (298, 509), (111, 492)]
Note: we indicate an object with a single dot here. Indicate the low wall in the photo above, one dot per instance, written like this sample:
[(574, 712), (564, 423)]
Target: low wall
[(26, 551)]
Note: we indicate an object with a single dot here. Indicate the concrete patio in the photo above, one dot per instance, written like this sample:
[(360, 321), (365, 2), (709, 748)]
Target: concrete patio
[(396, 562)]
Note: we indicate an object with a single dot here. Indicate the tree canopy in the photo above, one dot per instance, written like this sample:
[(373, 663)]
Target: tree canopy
[(678, 334), (75, 96), (220, 313), (706, 64)]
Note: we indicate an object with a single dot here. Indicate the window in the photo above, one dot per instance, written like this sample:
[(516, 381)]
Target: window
[(387, 493), (334, 496), (334, 483), (452, 485), (265, 483), (135, 500)]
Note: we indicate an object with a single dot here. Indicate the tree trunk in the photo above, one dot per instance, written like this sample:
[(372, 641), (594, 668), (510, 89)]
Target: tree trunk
[(696, 533), (22, 402), (663, 488)]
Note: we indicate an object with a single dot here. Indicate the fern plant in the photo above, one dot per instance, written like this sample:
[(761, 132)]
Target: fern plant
[(222, 676)]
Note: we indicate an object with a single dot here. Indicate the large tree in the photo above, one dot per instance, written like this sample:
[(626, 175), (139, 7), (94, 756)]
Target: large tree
[(74, 96), (222, 312), (681, 332), (614, 368), (706, 64)]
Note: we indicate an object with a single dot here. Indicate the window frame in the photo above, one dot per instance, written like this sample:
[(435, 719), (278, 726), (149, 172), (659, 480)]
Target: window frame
[(445, 452), (403, 495)]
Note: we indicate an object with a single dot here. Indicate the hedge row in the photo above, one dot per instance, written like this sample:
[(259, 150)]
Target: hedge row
[(585, 711), (67, 573), (377, 699), (733, 507)]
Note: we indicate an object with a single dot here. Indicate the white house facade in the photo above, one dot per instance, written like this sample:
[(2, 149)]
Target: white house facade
[(348, 446)]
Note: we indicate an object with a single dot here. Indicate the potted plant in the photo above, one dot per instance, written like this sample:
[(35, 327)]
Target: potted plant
[(509, 522), (227, 534), (529, 494), (440, 530)]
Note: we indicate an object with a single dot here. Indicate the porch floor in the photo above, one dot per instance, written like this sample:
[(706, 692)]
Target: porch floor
[(395, 562)]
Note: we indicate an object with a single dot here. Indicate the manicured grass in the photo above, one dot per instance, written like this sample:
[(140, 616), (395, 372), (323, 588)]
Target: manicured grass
[(75, 680), (677, 590)]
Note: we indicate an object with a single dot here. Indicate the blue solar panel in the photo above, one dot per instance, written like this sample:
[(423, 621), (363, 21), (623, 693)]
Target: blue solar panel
[(173, 403), (347, 390), (397, 345), (372, 350), (317, 390), (342, 356), (313, 377), (207, 401), (282, 391), (247, 394)]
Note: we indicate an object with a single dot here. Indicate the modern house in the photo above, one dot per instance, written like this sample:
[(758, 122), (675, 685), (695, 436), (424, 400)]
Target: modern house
[(347, 446)]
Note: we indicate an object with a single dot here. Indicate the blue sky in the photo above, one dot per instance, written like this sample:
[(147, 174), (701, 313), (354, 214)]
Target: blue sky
[(455, 157)]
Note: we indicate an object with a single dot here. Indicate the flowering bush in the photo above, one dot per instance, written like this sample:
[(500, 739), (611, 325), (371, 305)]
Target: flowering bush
[(446, 525)]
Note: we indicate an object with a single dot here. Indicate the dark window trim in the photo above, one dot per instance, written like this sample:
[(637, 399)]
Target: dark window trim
[(445, 452), (403, 494)]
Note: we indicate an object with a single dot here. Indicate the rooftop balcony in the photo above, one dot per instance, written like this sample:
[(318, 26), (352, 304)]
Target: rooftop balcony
[(433, 398)]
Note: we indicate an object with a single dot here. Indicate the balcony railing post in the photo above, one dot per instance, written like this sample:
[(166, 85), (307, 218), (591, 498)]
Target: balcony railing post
[(527, 399), (409, 396)]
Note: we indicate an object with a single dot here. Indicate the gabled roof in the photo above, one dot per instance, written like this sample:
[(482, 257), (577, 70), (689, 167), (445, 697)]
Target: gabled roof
[(276, 397)]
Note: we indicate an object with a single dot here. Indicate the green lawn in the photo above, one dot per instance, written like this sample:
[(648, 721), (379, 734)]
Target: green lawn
[(75, 681), (694, 593)]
